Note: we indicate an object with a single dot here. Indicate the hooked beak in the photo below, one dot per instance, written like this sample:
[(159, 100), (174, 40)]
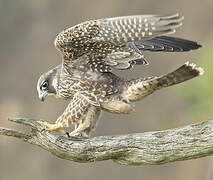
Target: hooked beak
[(42, 95)]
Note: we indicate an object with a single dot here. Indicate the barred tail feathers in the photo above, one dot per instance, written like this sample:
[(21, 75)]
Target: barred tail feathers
[(140, 88), (183, 73)]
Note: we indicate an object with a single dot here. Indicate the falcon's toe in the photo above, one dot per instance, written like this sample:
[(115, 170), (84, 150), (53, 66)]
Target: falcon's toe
[(52, 127)]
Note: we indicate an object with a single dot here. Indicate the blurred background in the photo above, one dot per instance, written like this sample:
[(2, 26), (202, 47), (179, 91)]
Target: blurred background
[(27, 32)]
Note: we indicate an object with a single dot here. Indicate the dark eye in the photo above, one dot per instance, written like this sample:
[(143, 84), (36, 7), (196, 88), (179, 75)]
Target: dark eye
[(44, 85)]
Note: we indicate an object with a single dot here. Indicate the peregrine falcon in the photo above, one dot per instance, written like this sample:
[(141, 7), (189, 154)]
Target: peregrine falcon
[(92, 50)]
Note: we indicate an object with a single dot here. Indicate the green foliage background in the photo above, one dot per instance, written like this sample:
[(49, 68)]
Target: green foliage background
[(199, 93)]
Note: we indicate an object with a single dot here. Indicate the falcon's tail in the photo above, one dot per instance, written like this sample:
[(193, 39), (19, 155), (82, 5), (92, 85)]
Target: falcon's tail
[(138, 89), (183, 73)]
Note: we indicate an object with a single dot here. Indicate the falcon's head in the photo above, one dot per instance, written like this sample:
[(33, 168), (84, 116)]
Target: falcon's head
[(48, 83)]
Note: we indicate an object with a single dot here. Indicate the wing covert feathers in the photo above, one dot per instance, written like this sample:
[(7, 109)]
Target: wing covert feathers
[(110, 41), (119, 42)]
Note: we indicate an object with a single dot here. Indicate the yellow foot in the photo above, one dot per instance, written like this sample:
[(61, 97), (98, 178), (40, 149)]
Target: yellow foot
[(52, 127)]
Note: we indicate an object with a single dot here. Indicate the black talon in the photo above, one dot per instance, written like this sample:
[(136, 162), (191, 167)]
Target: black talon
[(80, 134), (43, 130), (68, 135), (79, 137)]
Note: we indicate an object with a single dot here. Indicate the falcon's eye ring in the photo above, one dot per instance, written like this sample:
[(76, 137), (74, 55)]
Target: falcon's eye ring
[(44, 86)]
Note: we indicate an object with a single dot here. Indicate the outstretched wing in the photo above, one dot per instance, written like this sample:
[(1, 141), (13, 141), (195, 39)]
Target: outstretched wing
[(111, 41), (75, 111)]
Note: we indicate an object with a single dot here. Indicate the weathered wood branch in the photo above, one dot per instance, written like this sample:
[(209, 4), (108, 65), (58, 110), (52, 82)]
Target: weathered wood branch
[(157, 147)]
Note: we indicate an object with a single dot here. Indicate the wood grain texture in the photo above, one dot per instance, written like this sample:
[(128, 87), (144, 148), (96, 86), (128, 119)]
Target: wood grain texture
[(158, 147)]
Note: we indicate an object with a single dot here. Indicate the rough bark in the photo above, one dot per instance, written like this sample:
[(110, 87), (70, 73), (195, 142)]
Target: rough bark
[(157, 147)]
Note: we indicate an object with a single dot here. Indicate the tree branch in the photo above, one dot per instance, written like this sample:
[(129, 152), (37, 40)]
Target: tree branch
[(157, 147)]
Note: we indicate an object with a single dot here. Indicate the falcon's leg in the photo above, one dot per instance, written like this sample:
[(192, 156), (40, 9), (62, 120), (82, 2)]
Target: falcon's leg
[(86, 125), (52, 127)]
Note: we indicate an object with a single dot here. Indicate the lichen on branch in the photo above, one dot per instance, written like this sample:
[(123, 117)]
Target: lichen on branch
[(157, 147)]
